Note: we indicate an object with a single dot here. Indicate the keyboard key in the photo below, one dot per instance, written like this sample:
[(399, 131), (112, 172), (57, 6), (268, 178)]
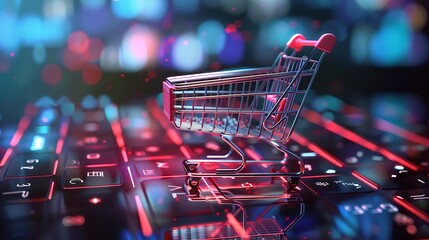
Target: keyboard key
[(36, 143), (418, 198), (23, 221), (34, 165), (91, 177), (416, 153), (155, 152), (338, 184), (87, 128), (95, 213), (263, 218), (92, 141), (315, 165), (24, 190), (167, 201), (390, 175), (160, 168), (93, 157), (257, 187)]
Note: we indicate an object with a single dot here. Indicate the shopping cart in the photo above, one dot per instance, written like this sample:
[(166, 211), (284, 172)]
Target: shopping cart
[(261, 103)]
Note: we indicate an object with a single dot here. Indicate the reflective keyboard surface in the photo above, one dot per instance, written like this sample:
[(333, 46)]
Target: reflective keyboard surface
[(96, 170)]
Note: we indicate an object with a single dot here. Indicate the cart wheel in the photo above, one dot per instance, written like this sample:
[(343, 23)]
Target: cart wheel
[(293, 182), (194, 192), (193, 182)]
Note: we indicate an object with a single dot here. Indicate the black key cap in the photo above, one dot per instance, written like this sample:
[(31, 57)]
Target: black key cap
[(93, 157), (166, 199), (87, 128), (34, 165), (154, 152), (338, 184), (160, 168), (92, 141), (96, 177), (418, 198), (38, 143), (416, 153), (96, 213), (390, 175), (24, 190)]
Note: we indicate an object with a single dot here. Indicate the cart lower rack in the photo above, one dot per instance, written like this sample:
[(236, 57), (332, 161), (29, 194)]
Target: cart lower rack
[(261, 103)]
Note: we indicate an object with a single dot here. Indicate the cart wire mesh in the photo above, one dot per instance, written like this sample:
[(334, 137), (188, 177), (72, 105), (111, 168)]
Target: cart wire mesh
[(262, 103)]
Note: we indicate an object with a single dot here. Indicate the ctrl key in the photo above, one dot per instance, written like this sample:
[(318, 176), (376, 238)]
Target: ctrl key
[(91, 177), (24, 190)]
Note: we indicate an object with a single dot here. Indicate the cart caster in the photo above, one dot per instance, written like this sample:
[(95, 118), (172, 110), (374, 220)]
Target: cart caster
[(193, 182), (194, 192), (293, 182)]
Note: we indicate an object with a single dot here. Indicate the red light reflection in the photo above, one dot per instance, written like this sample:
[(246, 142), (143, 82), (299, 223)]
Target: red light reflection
[(316, 118), (144, 221), (78, 42), (95, 200), (52, 74)]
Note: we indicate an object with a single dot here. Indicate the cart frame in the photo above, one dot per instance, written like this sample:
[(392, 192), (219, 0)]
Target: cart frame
[(262, 103)]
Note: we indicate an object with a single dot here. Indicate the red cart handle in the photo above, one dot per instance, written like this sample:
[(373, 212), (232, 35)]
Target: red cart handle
[(325, 43)]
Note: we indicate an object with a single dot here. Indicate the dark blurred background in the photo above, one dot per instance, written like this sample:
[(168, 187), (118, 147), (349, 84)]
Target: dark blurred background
[(123, 49)]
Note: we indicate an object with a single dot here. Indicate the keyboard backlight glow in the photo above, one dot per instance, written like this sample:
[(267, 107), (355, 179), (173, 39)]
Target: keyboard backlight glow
[(38, 143), (95, 200), (308, 154), (144, 221)]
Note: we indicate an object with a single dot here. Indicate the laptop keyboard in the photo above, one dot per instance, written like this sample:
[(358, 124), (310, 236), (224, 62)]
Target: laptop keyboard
[(95, 170)]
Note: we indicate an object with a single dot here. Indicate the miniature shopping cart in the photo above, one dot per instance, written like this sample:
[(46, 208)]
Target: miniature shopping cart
[(261, 103)]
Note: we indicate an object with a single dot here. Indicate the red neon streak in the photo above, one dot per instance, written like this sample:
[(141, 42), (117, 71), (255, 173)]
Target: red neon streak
[(236, 225), (163, 177), (185, 152), (320, 176), (22, 125), (63, 132), (157, 113), (411, 208), (255, 156), (218, 200), (95, 165), (38, 176), (95, 186), (55, 167), (51, 191), (117, 131), (174, 136), (308, 187), (6, 156), (305, 142), (60, 145), (335, 128), (386, 126), (316, 118), (124, 154), (64, 128), (153, 158), (131, 177), (364, 179), (216, 231), (144, 221)]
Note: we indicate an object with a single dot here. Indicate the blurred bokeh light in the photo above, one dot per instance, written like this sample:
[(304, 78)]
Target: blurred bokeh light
[(64, 43)]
